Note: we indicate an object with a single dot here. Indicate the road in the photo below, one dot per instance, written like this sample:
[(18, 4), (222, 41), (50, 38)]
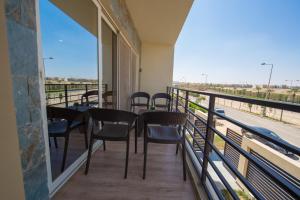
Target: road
[(288, 132)]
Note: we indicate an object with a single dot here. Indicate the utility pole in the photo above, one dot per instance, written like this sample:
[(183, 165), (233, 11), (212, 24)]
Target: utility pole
[(268, 87)]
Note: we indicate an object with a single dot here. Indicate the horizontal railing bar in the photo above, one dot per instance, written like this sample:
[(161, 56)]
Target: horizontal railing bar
[(199, 132), (268, 103), (191, 134), (198, 117), (55, 84), (198, 105), (222, 178), (269, 171), (195, 152), (220, 196), (216, 189), (288, 146), (237, 173)]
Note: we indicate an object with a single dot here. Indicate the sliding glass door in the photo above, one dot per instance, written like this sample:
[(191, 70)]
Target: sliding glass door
[(109, 66)]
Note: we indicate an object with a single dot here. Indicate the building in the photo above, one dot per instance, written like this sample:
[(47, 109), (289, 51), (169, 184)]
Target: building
[(143, 34)]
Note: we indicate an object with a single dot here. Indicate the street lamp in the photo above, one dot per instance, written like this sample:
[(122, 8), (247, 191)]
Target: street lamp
[(46, 58), (266, 64), (292, 82), (205, 77)]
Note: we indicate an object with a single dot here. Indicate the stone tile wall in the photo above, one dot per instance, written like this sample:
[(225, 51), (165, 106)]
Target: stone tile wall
[(23, 54), (120, 13)]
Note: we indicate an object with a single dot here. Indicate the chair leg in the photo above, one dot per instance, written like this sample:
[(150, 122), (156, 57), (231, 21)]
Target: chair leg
[(127, 155), (177, 147), (86, 139), (104, 146), (145, 159), (65, 152), (89, 156), (55, 142), (135, 137), (183, 161)]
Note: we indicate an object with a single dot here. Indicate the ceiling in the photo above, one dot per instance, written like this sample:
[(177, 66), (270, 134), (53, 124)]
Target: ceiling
[(159, 21)]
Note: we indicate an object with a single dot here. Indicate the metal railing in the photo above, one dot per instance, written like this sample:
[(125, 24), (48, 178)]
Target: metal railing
[(181, 101), (64, 94)]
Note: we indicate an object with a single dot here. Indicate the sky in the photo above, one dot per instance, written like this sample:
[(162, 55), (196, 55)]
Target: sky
[(229, 39), (225, 39), (73, 49)]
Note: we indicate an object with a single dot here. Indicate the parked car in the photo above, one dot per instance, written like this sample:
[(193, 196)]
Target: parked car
[(271, 134), (219, 111)]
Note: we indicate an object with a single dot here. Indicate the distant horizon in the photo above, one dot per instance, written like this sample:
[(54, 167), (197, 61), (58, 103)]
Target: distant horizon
[(227, 40)]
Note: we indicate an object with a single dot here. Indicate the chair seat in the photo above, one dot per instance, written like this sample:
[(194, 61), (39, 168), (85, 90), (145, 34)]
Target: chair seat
[(59, 128), (139, 104), (164, 134), (161, 105), (113, 132)]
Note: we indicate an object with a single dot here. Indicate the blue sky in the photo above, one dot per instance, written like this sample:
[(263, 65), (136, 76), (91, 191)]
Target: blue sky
[(226, 39), (229, 39), (73, 48)]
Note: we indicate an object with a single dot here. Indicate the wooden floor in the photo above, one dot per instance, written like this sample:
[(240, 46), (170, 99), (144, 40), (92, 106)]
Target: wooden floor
[(75, 149), (105, 179)]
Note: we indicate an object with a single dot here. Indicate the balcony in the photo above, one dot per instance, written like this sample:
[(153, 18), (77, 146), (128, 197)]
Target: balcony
[(105, 178), (223, 162)]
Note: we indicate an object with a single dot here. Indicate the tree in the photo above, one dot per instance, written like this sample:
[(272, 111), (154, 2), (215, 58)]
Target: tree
[(294, 92), (60, 97), (250, 106), (258, 88)]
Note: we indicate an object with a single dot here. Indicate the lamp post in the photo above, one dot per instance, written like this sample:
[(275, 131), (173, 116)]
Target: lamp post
[(206, 75), (268, 87), (292, 81), (47, 58)]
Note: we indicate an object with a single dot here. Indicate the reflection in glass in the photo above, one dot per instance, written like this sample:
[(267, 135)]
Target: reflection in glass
[(69, 37), (109, 69)]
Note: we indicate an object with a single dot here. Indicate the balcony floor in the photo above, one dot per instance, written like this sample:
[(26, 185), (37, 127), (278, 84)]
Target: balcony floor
[(105, 179)]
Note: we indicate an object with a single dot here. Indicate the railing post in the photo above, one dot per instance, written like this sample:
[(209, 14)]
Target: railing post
[(177, 96), (172, 98), (86, 88), (186, 105), (105, 88), (209, 136), (66, 96)]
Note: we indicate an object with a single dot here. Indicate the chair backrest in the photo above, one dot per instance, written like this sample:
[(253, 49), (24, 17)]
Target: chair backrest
[(165, 96), (63, 113), (164, 118), (106, 95), (112, 115), (140, 95), (87, 95)]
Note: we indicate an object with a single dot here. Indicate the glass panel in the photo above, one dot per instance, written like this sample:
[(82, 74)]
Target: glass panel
[(109, 66), (70, 53)]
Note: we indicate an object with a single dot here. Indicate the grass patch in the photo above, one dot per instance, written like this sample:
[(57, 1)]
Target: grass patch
[(219, 142)]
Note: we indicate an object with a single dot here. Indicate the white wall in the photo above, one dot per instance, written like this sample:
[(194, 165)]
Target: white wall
[(157, 67)]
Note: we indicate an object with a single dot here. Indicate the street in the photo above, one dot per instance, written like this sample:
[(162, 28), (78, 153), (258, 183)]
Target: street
[(288, 132)]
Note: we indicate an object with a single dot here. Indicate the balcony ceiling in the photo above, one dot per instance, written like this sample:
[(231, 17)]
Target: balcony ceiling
[(159, 21)]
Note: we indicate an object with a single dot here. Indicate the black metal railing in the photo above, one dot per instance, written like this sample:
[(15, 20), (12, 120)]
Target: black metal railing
[(181, 102), (64, 94)]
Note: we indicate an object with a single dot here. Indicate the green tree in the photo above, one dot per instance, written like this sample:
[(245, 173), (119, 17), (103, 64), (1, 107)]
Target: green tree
[(258, 88)]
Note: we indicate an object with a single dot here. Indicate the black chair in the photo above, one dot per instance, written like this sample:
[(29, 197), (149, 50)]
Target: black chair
[(89, 94), (107, 99), (164, 128), (113, 129), (161, 96), (61, 122), (136, 96)]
